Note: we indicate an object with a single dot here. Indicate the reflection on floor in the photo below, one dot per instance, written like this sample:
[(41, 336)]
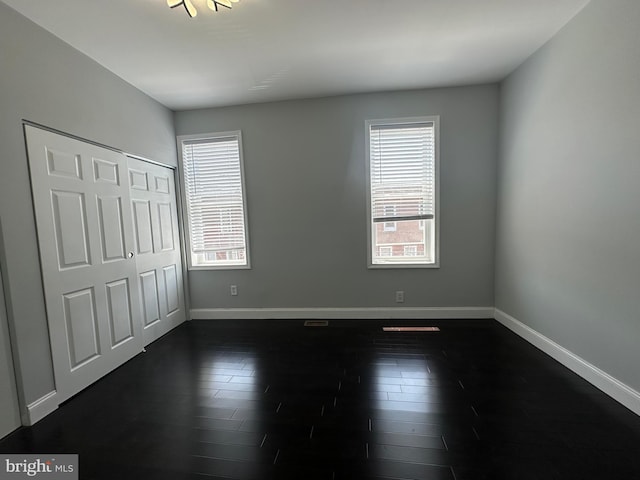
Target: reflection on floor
[(273, 399)]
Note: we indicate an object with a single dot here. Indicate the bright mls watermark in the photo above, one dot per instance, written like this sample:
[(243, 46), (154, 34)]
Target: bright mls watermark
[(52, 467)]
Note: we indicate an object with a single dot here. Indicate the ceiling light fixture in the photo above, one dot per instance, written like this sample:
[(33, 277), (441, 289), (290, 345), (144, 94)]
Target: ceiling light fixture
[(188, 6), (212, 4)]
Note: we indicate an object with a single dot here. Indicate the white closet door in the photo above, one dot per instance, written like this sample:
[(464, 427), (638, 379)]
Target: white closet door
[(85, 235), (157, 247), (9, 410)]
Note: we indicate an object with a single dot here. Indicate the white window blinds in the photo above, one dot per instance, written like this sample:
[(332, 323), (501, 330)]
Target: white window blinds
[(213, 183), (402, 165), (402, 188)]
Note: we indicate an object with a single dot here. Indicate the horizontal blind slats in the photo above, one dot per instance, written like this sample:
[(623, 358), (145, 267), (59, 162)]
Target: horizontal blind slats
[(402, 169), (215, 203)]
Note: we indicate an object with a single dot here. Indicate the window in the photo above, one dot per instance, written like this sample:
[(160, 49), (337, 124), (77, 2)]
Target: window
[(389, 226), (402, 164), (410, 250), (214, 200), (389, 211)]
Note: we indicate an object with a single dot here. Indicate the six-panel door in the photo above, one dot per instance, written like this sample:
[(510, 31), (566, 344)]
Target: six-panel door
[(157, 246), (87, 241)]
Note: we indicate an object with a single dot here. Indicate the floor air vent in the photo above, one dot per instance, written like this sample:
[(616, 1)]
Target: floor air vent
[(410, 329), (316, 323)]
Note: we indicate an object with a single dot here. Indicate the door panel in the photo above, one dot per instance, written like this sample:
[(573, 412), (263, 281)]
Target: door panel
[(171, 286), (106, 171), (111, 229), (91, 285), (70, 223), (150, 300), (158, 257), (162, 184), (142, 222), (119, 308), (166, 227), (82, 328), (138, 180), (64, 164)]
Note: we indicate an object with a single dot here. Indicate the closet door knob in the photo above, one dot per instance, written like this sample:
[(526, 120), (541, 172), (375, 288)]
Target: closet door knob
[(130, 255)]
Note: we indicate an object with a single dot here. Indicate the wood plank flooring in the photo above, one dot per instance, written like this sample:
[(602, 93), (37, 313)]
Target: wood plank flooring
[(277, 400)]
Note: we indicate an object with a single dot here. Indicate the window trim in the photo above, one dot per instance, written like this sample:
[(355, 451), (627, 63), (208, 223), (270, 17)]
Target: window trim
[(184, 205), (435, 119)]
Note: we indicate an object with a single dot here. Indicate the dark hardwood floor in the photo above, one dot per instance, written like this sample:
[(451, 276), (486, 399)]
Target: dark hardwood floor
[(276, 400)]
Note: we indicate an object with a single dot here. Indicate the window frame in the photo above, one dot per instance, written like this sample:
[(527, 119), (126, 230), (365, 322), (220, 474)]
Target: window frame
[(181, 139), (435, 119)]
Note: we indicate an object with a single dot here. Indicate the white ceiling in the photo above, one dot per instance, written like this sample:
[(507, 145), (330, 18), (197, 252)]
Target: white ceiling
[(265, 50)]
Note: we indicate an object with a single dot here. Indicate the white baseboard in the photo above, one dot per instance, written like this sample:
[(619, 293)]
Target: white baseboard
[(365, 313), (613, 387), (39, 409)]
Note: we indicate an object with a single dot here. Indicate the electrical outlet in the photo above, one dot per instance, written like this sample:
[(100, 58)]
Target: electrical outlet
[(234, 290), (400, 296)]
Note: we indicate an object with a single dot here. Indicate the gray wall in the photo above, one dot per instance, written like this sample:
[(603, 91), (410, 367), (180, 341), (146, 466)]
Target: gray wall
[(9, 408), (568, 234), (46, 81), (305, 176)]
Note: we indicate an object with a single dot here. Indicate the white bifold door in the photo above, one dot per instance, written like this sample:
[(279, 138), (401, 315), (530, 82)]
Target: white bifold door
[(89, 234), (157, 247)]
